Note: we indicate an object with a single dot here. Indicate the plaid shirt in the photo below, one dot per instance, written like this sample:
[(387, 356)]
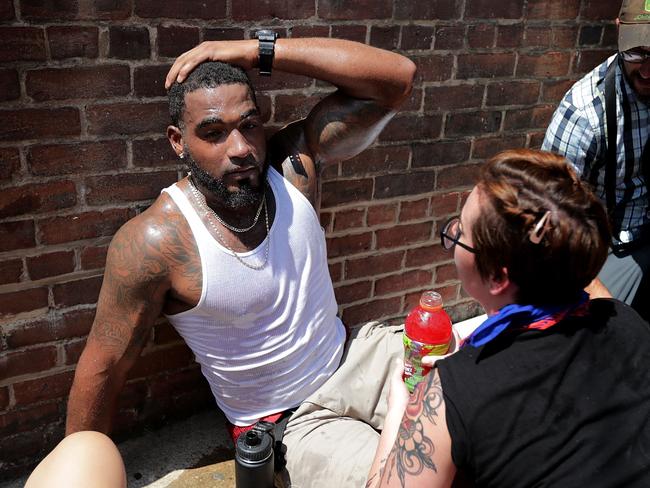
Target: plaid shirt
[(578, 132)]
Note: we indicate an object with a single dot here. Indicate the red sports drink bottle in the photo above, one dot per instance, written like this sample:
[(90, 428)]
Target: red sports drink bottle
[(427, 332)]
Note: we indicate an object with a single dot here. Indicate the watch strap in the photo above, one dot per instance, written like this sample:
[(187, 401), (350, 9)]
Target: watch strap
[(266, 48)]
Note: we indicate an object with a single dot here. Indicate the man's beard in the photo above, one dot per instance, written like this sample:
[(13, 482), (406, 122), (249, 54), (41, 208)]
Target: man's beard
[(247, 196)]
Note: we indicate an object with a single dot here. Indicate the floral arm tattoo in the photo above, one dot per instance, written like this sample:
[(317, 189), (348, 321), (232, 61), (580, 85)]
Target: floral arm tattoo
[(413, 450)]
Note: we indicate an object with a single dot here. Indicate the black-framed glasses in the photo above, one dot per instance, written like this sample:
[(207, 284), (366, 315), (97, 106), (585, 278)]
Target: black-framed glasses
[(635, 55), (450, 236)]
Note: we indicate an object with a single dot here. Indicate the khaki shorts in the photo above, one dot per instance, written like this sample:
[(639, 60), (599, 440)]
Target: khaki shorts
[(331, 439)]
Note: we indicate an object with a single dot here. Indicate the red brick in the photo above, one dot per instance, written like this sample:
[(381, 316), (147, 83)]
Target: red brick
[(487, 147), (73, 41), (348, 219), (509, 36), (9, 85), (25, 362), (457, 176), (599, 10), (75, 323), (396, 185), (22, 44), (340, 192), (554, 90), (77, 292), (402, 282), (544, 64), (349, 244), (336, 271), (127, 187), (377, 160), (110, 10), (225, 34), (403, 235), (412, 127), (38, 123), (449, 37), (349, 32), (431, 10), (610, 36), (553, 9), (310, 31), (382, 214), (530, 118), (293, 107), (537, 37), (426, 255), (590, 35), (47, 388), (373, 310), (588, 59), (489, 9), (82, 157), (7, 10), (174, 40), (162, 360), (93, 257), (355, 10), (374, 265), (176, 383), (417, 37), (481, 36), (353, 293), (149, 81), (444, 205), (87, 225), (17, 235), (446, 272), (45, 197), (536, 138), (16, 302), (73, 350), (565, 36), (179, 9), (464, 124), (272, 9), (433, 67), (4, 397), (385, 37), (50, 10), (413, 210), (128, 118), (9, 162), (326, 219), (485, 65), (513, 93), (10, 271), (165, 334), (129, 42), (440, 153), (28, 419), (453, 97), (50, 264), (153, 153)]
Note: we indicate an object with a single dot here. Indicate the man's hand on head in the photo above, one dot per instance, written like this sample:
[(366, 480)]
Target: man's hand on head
[(241, 53)]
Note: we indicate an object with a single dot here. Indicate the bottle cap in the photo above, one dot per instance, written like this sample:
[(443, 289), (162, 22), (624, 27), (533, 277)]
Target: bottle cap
[(431, 300), (254, 445)]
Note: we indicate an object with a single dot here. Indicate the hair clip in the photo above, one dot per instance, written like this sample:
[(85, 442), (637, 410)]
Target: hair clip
[(540, 228)]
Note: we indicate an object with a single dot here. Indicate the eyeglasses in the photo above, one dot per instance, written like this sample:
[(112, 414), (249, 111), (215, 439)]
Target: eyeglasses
[(450, 236), (635, 56)]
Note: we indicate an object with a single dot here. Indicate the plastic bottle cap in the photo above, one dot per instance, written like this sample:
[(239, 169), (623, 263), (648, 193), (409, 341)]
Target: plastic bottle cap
[(252, 438), (431, 300)]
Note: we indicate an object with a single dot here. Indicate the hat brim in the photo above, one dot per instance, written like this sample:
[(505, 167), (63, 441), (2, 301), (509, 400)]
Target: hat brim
[(633, 35)]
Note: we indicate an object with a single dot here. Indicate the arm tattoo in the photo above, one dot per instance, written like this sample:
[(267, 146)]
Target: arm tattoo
[(413, 450)]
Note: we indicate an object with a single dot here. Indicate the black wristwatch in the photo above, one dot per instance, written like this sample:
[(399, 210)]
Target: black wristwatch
[(266, 40)]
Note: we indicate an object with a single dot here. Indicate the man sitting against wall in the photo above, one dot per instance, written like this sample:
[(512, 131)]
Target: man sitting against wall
[(234, 256)]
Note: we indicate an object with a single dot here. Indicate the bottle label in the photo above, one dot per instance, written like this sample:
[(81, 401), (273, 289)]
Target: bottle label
[(414, 351)]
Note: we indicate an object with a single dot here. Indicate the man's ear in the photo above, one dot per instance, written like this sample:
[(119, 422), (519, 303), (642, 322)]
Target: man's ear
[(500, 283), (175, 136)]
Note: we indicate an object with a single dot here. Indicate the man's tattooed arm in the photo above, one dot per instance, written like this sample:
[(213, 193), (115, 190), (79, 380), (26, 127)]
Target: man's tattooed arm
[(421, 455)]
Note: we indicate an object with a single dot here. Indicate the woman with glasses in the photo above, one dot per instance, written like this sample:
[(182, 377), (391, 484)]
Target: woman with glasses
[(552, 389)]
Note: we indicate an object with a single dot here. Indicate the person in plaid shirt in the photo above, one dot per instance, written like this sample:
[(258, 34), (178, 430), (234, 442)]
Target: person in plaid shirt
[(616, 162)]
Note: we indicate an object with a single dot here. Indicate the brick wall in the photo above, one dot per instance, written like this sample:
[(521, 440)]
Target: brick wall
[(83, 113)]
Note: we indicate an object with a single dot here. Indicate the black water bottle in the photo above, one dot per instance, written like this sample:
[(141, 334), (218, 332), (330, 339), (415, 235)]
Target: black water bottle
[(254, 460)]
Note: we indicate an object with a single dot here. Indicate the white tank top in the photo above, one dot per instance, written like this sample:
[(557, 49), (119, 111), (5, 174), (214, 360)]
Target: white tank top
[(265, 339)]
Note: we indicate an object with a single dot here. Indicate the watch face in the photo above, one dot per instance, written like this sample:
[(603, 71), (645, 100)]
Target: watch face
[(266, 35)]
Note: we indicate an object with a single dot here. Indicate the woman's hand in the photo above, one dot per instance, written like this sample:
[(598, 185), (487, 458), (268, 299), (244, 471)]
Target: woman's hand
[(430, 361), (241, 53)]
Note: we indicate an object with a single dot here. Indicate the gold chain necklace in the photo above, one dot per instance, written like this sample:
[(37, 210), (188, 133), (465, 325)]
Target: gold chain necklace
[(200, 201)]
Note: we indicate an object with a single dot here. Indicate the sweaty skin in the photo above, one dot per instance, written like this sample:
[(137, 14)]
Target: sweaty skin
[(153, 264)]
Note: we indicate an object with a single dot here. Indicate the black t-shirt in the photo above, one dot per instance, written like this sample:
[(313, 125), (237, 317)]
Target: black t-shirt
[(564, 407)]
